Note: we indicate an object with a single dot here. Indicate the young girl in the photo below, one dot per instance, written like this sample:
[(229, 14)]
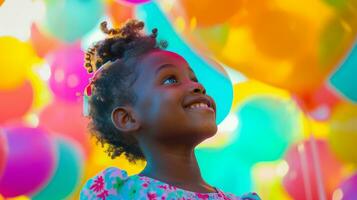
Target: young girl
[(146, 103)]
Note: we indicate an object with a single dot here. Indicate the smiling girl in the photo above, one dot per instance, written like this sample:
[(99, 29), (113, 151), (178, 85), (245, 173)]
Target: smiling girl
[(145, 102)]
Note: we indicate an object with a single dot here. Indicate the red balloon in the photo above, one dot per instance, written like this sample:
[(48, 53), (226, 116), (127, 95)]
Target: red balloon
[(301, 179), (15, 103), (3, 152), (319, 103), (65, 118)]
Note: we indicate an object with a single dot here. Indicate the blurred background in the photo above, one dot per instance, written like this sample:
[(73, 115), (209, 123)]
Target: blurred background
[(282, 72)]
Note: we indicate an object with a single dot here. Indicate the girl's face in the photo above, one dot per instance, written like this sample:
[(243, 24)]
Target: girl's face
[(165, 86)]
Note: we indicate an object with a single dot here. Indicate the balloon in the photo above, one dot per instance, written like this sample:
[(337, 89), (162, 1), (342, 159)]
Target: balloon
[(69, 20), (297, 45), (3, 152), (214, 38), (343, 132), (67, 174), (41, 42), (335, 39), (1, 2), (320, 103), (302, 173), (209, 73), (213, 162), (119, 12), (16, 58), (68, 76), (42, 94), (348, 188), (219, 12), (135, 1), (343, 80), (268, 121), (268, 179), (31, 161), (279, 34), (22, 97), (66, 119), (251, 88)]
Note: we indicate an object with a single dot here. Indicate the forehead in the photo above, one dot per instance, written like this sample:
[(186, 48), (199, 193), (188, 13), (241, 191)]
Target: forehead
[(152, 61)]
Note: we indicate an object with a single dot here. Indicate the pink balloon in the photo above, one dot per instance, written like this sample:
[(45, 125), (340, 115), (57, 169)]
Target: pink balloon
[(301, 179), (31, 161), (3, 152), (68, 76), (135, 1)]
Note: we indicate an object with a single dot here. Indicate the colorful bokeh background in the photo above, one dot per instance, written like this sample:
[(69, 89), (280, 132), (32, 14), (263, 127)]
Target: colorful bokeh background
[(282, 72)]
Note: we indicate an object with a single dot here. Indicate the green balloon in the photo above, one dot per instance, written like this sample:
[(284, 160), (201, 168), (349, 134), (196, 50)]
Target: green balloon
[(67, 175), (267, 125), (222, 169), (69, 20)]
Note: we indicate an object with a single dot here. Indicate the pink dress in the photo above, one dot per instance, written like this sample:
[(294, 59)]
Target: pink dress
[(113, 183)]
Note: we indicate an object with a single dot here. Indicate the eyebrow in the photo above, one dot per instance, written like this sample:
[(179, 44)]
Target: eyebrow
[(169, 65)]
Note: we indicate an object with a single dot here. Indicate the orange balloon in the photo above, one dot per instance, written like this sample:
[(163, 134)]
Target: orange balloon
[(280, 34), (119, 12), (41, 42), (15, 103), (210, 12)]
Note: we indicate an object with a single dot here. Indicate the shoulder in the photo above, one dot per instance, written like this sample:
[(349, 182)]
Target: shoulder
[(246, 196), (105, 184)]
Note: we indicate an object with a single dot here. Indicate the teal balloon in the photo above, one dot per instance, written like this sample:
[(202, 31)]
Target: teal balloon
[(69, 20), (222, 169), (344, 79), (68, 173), (267, 125), (217, 84)]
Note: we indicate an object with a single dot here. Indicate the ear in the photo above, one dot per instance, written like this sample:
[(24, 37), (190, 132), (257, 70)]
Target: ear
[(124, 119)]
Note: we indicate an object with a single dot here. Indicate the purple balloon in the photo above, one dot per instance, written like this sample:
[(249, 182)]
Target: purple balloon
[(349, 188), (135, 1), (31, 161), (68, 76)]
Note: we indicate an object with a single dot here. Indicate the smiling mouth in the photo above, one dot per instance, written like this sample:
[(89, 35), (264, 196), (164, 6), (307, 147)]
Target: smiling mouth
[(200, 107)]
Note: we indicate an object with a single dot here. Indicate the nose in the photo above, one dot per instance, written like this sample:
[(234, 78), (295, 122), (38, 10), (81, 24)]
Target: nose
[(198, 88)]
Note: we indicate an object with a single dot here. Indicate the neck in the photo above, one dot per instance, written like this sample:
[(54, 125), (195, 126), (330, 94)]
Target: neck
[(175, 164)]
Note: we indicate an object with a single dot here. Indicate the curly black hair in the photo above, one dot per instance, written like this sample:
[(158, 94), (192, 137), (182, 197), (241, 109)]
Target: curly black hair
[(112, 87)]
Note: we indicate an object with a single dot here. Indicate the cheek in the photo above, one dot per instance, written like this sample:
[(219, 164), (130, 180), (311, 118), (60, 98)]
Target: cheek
[(162, 108)]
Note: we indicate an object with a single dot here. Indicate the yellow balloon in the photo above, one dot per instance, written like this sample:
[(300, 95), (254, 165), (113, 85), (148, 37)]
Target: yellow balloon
[(16, 58), (343, 132), (42, 93), (251, 88)]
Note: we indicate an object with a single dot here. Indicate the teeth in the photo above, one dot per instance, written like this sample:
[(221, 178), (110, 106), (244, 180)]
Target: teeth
[(198, 105)]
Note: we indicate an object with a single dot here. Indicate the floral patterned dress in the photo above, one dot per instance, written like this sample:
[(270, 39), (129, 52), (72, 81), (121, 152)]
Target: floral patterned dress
[(113, 183)]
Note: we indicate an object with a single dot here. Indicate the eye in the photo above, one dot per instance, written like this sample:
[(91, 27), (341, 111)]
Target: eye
[(170, 78), (195, 79)]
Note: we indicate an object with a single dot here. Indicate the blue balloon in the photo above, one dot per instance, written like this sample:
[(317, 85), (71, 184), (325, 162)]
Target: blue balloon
[(344, 79), (217, 84), (69, 20), (267, 125), (223, 169)]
